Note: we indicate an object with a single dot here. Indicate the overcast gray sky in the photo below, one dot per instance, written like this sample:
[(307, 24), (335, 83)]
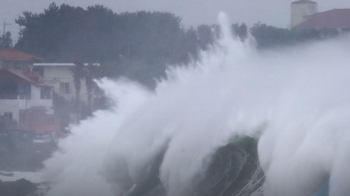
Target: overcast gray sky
[(192, 12)]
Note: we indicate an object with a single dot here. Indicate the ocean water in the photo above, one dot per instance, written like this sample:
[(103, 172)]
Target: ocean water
[(236, 122)]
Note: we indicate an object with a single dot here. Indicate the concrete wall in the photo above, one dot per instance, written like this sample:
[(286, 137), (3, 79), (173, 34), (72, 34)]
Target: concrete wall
[(35, 92), (300, 11)]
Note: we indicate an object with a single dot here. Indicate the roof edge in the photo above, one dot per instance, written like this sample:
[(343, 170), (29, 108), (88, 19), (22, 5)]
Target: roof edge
[(62, 64), (304, 2)]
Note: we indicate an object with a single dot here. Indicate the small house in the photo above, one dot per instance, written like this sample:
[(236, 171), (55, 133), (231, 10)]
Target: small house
[(22, 90), (305, 15)]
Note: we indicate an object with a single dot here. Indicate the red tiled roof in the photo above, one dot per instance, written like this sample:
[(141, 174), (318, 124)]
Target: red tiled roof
[(17, 55), (30, 77), (303, 1), (336, 18)]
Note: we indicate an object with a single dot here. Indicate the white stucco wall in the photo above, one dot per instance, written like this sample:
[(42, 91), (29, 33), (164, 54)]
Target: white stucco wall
[(35, 92), (299, 11), (54, 75), (14, 105)]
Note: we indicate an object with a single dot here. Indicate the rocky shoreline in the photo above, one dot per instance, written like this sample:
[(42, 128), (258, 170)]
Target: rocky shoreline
[(20, 159)]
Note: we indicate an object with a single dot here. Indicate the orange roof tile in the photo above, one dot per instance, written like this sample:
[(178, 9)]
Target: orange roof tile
[(31, 77), (336, 18), (17, 55)]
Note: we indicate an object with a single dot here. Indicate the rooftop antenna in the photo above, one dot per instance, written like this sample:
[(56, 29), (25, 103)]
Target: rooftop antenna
[(4, 28)]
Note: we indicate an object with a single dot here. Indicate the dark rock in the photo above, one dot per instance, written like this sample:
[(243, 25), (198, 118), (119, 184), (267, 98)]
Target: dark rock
[(6, 174), (20, 187)]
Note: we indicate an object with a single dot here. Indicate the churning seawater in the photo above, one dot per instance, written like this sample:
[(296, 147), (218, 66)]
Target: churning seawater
[(237, 122)]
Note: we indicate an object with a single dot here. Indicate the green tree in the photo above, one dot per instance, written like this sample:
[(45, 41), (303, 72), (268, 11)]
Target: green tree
[(240, 31), (6, 41), (205, 36), (269, 36), (90, 85), (78, 75), (147, 41)]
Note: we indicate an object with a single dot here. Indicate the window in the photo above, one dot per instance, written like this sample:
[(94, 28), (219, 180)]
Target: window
[(24, 91), (8, 116), (45, 93), (64, 88)]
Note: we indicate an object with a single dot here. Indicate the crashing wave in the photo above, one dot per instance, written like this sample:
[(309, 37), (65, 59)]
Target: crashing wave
[(195, 135), (232, 170)]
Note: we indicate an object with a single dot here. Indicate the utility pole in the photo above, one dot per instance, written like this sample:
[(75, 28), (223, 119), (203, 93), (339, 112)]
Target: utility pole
[(3, 30)]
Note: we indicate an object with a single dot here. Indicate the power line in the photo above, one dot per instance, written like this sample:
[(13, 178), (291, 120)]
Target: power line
[(5, 24)]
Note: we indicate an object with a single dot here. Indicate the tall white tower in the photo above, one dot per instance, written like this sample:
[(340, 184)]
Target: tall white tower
[(300, 9)]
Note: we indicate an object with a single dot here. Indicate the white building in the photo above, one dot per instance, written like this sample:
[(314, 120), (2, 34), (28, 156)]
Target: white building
[(60, 77), (305, 15), (21, 90), (300, 10)]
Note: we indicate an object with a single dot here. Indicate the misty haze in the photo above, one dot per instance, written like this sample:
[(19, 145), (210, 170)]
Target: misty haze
[(154, 99)]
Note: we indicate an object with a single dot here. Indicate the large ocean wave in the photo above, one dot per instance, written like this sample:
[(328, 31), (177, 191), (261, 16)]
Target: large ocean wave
[(237, 122)]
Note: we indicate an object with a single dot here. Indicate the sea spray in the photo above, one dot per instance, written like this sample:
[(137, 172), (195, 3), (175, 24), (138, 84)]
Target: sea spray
[(184, 108), (296, 99), (76, 169), (297, 150)]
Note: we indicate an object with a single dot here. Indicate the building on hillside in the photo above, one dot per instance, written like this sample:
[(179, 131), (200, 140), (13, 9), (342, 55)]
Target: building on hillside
[(13, 59), (21, 91), (304, 15), (60, 77)]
